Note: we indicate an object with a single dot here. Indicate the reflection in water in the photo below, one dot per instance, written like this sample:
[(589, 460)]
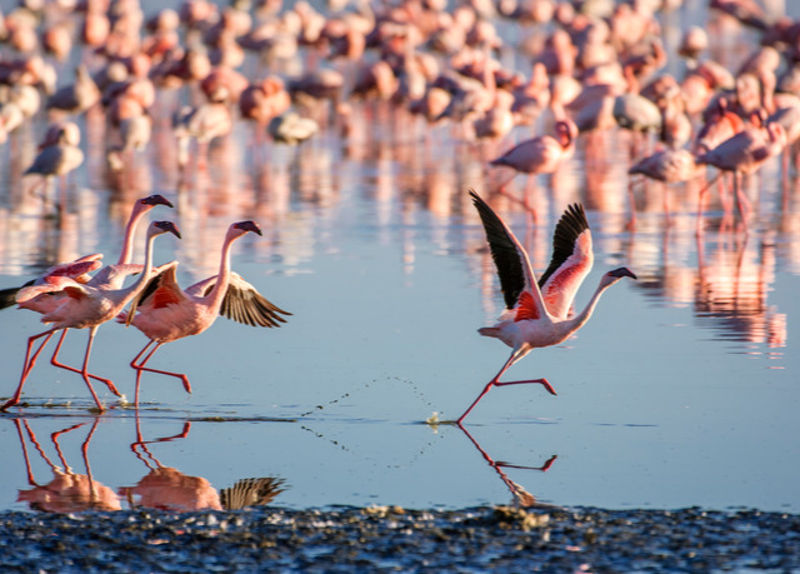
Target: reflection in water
[(68, 491), (251, 492), (167, 488), (521, 497), (733, 285), (727, 288), (163, 487)]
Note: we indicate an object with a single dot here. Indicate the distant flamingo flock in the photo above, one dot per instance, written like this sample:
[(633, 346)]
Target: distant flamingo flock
[(294, 73)]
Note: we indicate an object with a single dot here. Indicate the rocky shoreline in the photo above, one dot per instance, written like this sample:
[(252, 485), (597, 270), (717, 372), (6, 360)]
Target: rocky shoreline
[(394, 539)]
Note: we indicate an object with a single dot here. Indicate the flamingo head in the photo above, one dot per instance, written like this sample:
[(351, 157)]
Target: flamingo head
[(776, 132), (615, 275), (153, 200), (566, 131), (70, 134), (242, 227), (160, 227)]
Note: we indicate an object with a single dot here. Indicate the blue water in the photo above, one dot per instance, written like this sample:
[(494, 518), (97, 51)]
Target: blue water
[(681, 390)]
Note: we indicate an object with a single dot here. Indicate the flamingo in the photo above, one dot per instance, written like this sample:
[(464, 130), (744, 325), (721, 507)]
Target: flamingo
[(78, 269), (79, 306), (110, 277), (538, 313), (541, 154), (668, 166), (59, 155), (165, 312), (745, 153)]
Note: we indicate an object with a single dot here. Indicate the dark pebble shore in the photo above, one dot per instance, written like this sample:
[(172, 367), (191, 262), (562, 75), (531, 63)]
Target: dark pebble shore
[(395, 539)]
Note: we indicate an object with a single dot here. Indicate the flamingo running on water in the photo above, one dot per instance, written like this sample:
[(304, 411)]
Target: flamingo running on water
[(538, 313), (110, 277), (165, 312), (79, 306)]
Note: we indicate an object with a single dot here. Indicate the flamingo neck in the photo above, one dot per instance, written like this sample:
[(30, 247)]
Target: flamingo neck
[(130, 231), (581, 318), (217, 293), (130, 292)]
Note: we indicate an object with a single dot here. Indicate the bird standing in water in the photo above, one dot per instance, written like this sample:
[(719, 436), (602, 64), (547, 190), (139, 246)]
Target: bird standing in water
[(538, 314)]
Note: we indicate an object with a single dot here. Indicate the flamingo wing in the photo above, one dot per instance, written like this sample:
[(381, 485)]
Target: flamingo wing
[(52, 285), (161, 291), (520, 290), (244, 304), (78, 267), (570, 263), (47, 162), (116, 274)]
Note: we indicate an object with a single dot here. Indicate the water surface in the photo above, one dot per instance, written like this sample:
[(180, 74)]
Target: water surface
[(681, 390)]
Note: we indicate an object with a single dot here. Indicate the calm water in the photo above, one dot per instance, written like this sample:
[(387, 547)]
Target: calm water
[(681, 390)]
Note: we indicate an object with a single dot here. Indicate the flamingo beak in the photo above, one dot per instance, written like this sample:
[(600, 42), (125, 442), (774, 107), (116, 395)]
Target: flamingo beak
[(622, 272), (248, 226), (156, 199), (168, 227)]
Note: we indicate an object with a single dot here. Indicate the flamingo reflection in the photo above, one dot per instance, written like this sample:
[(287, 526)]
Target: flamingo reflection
[(727, 289), (168, 488), (68, 491), (521, 496), (732, 291)]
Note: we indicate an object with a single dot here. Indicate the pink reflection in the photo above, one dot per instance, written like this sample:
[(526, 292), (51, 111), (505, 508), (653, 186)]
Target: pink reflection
[(68, 491), (168, 488), (733, 286), (521, 497)]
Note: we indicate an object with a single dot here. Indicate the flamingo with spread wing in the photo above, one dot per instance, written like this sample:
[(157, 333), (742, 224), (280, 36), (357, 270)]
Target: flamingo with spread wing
[(537, 314)]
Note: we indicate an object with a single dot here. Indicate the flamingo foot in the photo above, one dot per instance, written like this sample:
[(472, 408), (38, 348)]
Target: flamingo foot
[(186, 385), (107, 382), (8, 404), (544, 382), (111, 386)]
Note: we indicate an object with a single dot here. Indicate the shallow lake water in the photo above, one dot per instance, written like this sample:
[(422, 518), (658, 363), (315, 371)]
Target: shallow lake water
[(681, 390)]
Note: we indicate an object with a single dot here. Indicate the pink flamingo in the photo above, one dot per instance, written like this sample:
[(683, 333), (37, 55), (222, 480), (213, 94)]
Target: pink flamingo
[(538, 313), (745, 153), (542, 154), (166, 312), (59, 155), (78, 270), (110, 277), (667, 166), (80, 306)]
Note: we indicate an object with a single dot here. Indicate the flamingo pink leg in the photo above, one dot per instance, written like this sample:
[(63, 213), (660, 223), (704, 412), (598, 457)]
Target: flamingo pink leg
[(495, 382), (30, 360), (741, 199), (141, 367), (54, 361), (85, 370)]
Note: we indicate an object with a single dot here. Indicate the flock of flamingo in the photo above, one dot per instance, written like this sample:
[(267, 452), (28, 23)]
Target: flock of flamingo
[(590, 67)]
